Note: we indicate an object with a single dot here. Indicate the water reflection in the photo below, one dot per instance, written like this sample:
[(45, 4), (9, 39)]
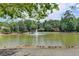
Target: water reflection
[(49, 39)]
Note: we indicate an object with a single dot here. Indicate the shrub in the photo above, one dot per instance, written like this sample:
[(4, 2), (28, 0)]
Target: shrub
[(5, 30)]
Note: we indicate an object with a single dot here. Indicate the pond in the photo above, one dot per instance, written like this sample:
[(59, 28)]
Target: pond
[(48, 39)]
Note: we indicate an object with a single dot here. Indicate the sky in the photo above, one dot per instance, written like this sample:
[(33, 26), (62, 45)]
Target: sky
[(62, 8)]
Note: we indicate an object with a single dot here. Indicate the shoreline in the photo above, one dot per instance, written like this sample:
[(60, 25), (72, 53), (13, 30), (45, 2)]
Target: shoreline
[(14, 33), (39, 52)]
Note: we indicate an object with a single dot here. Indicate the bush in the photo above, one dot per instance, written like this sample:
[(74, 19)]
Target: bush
[(5, 30)]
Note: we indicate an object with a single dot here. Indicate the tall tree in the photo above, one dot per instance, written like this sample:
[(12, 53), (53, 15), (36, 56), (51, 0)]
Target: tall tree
[(68, 21)]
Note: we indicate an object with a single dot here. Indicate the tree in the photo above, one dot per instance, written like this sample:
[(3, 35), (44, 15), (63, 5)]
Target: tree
[(30, 24), (75, 7), (77, 26), (52, 25), (47, 26), (68, 22), (15, 10)]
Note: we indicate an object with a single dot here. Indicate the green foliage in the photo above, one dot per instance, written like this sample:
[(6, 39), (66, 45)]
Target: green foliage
[(5, 30), (68, 22), (30, 24), (77, 25), (15, 9), (51, 25)]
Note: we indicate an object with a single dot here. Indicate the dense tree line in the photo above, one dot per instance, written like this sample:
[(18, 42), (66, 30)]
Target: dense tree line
[(31, 25)]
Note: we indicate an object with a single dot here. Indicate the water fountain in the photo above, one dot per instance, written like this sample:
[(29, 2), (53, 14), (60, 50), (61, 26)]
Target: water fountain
[(36, 33)]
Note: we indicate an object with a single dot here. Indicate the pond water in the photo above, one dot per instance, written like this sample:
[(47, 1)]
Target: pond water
[(48, 39)]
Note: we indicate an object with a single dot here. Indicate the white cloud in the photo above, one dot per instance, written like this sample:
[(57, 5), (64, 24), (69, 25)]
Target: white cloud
[(62, 8)]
